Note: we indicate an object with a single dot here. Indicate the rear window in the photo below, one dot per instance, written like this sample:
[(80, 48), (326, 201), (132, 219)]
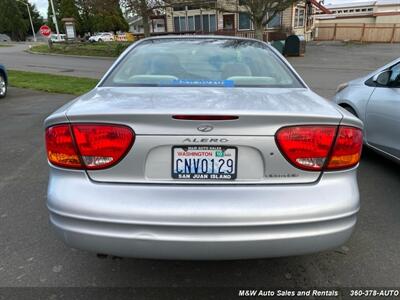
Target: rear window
[(202, 62)]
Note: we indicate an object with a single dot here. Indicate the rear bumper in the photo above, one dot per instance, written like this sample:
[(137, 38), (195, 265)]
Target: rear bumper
[(202, 222)]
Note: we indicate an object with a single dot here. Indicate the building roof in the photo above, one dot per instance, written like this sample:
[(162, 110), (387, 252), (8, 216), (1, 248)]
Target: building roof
[(350, 4), (362, 4), (388, 2)]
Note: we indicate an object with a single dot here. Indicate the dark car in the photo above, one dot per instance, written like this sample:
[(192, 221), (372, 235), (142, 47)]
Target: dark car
[(3, 81)]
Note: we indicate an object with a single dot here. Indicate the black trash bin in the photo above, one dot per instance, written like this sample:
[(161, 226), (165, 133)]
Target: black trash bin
[(295, 45)]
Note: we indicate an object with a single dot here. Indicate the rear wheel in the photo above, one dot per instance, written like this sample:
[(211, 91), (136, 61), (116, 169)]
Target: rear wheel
[(3, 86)]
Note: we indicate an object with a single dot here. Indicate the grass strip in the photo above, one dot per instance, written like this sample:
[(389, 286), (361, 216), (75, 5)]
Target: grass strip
[(109, 49), (51, 83)]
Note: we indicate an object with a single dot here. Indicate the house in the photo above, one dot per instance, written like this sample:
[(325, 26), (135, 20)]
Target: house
[(368, 12), (230, 17), (157, 24), (369, 21)]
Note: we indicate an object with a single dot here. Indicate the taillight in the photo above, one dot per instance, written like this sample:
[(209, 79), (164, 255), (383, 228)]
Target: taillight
[(61, 150), (346, 152), (315, 147), (307, 147), (88, 146)]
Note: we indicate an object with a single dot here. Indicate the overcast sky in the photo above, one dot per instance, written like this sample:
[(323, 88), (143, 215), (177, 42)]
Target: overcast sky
[(42, 4)]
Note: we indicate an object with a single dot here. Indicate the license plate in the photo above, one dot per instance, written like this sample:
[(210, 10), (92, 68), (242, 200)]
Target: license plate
[(204, 162)]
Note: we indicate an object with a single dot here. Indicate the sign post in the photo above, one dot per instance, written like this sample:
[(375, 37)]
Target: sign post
[(46, 32)]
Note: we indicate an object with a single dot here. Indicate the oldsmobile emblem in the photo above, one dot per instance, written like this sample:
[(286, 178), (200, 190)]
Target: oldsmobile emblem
[(205, 128)]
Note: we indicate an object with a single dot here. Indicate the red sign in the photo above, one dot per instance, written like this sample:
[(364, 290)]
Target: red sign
[(45, 31)]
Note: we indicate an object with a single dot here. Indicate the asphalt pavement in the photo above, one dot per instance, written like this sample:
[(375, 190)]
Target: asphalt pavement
[(31, 256), (17, 58)]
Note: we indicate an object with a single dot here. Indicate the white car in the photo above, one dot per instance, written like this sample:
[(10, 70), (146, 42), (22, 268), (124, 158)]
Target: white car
[(55, 39), (102, 37)]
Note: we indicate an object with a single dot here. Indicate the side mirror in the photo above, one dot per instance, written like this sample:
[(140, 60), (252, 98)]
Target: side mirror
[(382, 78), (395, 80)]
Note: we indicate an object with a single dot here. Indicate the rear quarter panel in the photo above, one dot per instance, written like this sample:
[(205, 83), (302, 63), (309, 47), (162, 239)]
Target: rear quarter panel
[(355, 96)]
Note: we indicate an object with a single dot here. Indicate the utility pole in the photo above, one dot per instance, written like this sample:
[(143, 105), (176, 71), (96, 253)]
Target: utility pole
[(55, 20), (30, 19)]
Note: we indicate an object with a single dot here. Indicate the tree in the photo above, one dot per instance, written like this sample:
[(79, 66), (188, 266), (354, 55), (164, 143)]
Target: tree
[(86, 11), (145, 9), (90, 15), (69, 9), (11, 20), (101, 15), (258, 9)]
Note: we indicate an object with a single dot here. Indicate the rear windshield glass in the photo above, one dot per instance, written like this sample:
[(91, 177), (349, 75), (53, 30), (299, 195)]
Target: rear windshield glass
[(202, 62)]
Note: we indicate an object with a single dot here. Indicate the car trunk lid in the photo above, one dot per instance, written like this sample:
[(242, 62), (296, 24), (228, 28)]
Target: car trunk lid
[(258, 113)]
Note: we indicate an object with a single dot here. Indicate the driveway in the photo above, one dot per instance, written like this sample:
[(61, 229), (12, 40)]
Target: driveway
[(31, 256)]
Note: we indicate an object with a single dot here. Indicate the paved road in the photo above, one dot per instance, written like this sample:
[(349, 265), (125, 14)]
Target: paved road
[(16, 58), (31, 256)]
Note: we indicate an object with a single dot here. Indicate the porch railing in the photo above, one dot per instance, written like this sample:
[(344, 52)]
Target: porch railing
[(267, 36)]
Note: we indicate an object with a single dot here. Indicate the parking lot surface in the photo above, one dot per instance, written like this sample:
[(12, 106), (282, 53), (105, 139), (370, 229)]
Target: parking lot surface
[(30, 255)]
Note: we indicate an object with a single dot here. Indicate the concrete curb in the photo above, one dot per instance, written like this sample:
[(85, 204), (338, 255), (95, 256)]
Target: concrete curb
[(66, 55)]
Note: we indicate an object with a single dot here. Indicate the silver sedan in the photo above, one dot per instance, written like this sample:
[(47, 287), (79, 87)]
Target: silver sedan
[(375, 99), (203, 148)]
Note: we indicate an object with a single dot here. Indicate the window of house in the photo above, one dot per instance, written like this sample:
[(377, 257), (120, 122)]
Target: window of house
[(197, 23), (179, 7), (176, 24), (206, 23), (213, 23), (191, 7), (180, 24), (242, 2), (209, 23), (244, 21), (191, 23), (299, 17), (276, 21), (183, 7)]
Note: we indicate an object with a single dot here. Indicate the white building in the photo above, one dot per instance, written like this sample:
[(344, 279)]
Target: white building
[(368, 12)]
